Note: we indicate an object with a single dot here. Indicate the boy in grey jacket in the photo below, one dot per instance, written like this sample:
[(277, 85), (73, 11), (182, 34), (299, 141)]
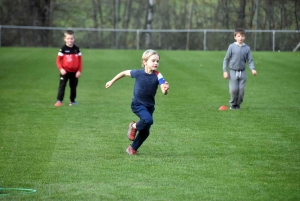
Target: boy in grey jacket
[(237, 55)]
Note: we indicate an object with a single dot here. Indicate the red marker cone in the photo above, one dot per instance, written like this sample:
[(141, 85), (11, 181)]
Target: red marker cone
[(223, 107)]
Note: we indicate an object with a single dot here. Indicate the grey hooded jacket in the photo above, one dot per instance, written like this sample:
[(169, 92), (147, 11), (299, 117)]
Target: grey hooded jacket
[(237, 56)]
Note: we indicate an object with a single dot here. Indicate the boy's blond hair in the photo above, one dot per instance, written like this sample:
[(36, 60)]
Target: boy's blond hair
[(147, 54), (69, 32)]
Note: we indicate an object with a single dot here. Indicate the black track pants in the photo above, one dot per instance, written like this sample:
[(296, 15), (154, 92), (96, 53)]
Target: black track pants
[(73, 82)]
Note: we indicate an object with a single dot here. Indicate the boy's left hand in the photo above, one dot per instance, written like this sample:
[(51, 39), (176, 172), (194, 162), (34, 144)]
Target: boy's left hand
[(78, 74), (254, 72), (166, 86)]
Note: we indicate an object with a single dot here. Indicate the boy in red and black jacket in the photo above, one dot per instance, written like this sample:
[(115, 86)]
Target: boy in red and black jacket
[(69, 63)]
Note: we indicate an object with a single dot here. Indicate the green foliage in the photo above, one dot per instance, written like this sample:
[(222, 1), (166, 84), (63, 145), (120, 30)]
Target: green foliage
[(168, 14), (194, 152)]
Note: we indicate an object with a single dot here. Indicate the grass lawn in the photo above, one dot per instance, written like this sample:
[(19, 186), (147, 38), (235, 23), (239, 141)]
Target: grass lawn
[(194, 152)]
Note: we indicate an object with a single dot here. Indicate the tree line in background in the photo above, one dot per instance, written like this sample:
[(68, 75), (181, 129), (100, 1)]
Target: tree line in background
[(144, 14)]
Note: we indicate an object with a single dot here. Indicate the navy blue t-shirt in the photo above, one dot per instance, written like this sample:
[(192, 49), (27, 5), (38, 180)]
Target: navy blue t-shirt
[(145, 86)]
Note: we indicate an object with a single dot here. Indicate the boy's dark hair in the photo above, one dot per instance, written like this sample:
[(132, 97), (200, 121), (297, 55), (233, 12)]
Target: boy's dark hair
[(240, 31)]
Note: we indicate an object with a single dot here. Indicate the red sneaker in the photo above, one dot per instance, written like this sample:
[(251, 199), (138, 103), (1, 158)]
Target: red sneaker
[(131, 132), (58, 103), (130, 151)]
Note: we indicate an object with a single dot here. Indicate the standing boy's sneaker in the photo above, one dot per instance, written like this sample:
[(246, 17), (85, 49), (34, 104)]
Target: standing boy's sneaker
[(58, 103), (131, 132), (130, 151), (232, 107), (73, 103)]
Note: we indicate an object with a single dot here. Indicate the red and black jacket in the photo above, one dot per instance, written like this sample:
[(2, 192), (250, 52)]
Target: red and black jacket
[(69, 59)]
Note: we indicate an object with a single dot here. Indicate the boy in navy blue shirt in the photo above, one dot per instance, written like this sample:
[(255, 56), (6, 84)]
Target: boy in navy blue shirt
[(143, 101)]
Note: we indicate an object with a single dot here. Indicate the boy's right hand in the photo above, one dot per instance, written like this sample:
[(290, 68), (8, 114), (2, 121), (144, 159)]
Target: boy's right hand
[(225, 75), (62, 71)]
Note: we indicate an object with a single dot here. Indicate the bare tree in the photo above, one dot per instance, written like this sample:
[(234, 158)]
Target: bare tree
[(126, 21), (148, 14), (226, 14), (189, 27), (251, 14), (40, 12), (270, 14), (50, 33), (99, 10), (297, 13), (95, 18), (149, 20), (241, 14)]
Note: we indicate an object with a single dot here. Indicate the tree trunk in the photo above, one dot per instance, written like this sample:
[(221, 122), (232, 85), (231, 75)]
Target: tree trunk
[(297, 13), (94, 14), (50, 32), (189, 27), (149, 20), (241, 14), (95, 21), (270, 20), (40, 11), (252, 14), (270, 14), (226, 14), (99, 6), (126, 21)]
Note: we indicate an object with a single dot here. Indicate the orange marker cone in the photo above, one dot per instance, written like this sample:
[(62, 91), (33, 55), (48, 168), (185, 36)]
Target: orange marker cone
[(223, 107)]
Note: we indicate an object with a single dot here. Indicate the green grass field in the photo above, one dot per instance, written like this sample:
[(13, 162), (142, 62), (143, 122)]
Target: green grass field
[(194, 152)]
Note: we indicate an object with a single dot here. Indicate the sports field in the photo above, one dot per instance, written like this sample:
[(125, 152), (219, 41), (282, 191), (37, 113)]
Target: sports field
[(194, 152)]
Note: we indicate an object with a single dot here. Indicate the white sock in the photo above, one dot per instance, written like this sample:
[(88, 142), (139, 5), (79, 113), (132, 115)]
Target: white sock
[(134, 125)]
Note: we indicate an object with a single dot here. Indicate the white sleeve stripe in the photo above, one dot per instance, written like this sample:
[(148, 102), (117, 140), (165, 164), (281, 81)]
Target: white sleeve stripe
[(79, 54), (60, 54), (159, 76)]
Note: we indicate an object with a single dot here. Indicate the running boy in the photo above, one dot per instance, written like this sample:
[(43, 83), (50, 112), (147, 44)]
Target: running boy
[(69, 63), (237, 55), (143, 101)]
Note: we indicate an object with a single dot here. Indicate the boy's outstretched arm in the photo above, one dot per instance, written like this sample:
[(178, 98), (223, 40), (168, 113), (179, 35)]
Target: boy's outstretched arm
[(118, 76), (165, 88)]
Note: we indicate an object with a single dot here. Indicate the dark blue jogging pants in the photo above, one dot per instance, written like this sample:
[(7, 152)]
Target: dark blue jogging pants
[(144, 124)]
